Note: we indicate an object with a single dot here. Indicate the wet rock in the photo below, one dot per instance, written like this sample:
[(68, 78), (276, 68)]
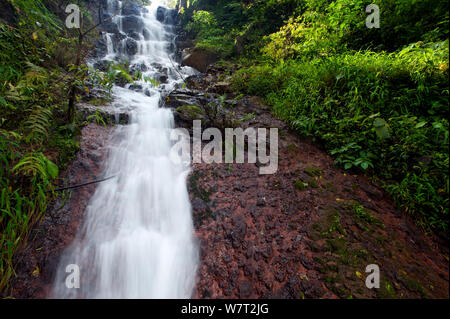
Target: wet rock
[(131, 46), (312, 288), (220, 88), (245, 289), (149, 92), (112, 5), (100, 49), (50, 265), (102, 65), (117, 38), (181, 97), (198, 58), (132, 24), (199, 204), (131, 8), (135, 87), (196, 82), (160, 68), (109, 27), (135, 36), (139, 67), (95, 156), (146, 34), (108, 114), (161, 14), (165, 15), (162, 78)]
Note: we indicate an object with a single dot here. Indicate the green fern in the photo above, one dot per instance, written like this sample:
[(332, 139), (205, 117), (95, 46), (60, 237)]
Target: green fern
[(36, 165), (38, 123)]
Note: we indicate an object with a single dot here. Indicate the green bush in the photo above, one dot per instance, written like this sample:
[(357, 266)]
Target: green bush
[(332, 27), (376, 112)]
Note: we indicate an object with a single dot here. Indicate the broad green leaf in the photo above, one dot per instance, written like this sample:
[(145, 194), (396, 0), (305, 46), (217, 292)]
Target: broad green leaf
[(420, 124), (381, 128), (52, 169)]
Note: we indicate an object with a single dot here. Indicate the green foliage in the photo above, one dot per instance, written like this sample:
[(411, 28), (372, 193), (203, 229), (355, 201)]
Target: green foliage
[(331, 27), (97, 117), (35, 14), (382, 113), (21, 203), (35, 140), (209, 34), (119, 72)]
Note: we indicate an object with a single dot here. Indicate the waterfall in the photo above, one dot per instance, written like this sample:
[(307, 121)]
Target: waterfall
[(137, 237)]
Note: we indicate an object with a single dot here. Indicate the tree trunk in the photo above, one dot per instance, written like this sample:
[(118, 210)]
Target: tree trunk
[(73, 88)]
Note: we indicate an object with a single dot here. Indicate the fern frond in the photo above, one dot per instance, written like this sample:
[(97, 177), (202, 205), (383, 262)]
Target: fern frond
[(38, 123)]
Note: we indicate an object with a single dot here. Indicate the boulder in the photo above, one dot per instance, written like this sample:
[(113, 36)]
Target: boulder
[(146, 34), (117, 38), (198, 59), (109, 27), (161, 77), (112, 5), (101, 65), (196, 82), (135, 87), (139, 67), (131, 8), (161, 14), (165, 15), (135, 35), (100, 49), (132, 24), (222, 87), (192, 105), (131, 46), (108, 113), (181, 97), (160, 68)]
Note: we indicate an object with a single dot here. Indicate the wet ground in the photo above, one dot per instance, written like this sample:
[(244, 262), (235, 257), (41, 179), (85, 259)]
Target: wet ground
[(308, 231)]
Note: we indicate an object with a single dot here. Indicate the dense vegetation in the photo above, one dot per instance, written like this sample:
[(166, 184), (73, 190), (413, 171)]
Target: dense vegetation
[(376, 99), (37, 56)]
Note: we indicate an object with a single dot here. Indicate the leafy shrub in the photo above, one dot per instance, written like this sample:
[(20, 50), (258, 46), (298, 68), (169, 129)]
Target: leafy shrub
[(376, 112), (330, 27)]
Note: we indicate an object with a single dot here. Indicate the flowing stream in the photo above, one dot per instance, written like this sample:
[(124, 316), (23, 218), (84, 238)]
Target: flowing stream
[(137, 237)]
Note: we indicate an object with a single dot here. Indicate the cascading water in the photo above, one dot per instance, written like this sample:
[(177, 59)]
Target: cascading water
[(137, 238)]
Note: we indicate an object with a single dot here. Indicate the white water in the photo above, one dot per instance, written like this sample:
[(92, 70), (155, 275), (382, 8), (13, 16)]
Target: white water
[(137, 237)]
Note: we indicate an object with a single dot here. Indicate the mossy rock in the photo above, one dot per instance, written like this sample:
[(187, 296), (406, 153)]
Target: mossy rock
[(313, 171), (313, 183), (300, 185)]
